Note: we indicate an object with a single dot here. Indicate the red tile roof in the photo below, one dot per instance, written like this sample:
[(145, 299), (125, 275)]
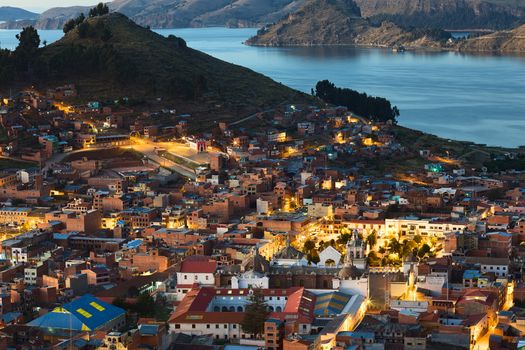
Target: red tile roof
[(198, 264), (300, 304)]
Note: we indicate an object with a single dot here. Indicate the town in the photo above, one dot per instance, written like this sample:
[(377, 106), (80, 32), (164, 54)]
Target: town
[(302, 227)]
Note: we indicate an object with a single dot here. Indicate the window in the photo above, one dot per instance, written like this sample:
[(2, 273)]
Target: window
[(216, 326), (193, 326), (177, 326), (234, 326), (208, 326), (225, 326)]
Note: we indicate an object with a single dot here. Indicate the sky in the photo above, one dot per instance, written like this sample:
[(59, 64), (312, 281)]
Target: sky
[(42, 5)]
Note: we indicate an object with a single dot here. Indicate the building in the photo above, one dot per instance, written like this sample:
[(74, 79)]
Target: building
[(86, 313)]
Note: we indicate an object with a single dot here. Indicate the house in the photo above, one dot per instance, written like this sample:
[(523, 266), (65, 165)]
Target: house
[(196, 269)]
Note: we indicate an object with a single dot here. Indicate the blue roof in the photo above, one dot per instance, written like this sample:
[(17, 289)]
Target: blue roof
[(82, 314), (9, 317), (469, 274), (357, 334), (331, 303), (134, 244), (148, 329)]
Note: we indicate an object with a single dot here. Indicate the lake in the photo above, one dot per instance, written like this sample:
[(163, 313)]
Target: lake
[(457, 96)]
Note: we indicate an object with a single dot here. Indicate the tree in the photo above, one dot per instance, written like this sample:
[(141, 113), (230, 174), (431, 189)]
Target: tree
[(394, 246), (376, 108), (313, 257), (371, 239), (423, 251), (72, 23), (373, 259), (28, 44), (343, 238), (308, 246), (28, 40), (100, 10), (69, 26), (255, 315)]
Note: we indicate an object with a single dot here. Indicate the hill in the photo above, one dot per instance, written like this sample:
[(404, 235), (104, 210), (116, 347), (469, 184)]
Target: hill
[(8, 13), (446, 14), (180, 13), (339, 22), (508, 41), (111, 57)]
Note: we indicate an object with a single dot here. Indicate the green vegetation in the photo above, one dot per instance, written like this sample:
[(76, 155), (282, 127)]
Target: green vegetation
[(6, 163), (102, 154), (374, 108), (255, 315), (100, 10), (73, 23), (517, 163), (146, 306), (182, 161)]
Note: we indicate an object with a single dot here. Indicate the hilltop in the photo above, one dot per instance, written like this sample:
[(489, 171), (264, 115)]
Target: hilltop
[(111, 57), (339, 22), (8, 13)]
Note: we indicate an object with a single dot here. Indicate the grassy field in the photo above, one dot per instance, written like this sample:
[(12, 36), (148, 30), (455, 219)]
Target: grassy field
[(15, 164), (103, 154)]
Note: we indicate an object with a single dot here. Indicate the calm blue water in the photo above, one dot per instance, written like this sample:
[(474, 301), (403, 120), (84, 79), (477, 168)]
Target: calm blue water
[(465, 97)]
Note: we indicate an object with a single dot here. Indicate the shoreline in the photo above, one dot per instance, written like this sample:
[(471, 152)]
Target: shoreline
[(388, 47)]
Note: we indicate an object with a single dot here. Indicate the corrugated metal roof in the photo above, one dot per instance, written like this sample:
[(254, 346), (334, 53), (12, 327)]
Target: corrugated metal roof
[(84, 313)]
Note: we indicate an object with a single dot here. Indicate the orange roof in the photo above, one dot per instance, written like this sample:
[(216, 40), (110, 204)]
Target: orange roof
[(198, 264), (194, 305)]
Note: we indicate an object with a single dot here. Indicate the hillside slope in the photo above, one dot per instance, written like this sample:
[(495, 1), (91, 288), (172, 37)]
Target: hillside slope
[(112, 57), (446, 14), (339, 22), (511, 41)]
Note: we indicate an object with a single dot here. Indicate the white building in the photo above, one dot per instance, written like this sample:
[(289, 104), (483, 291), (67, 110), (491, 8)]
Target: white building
[(198, 270), (320, 210), (411, 227)]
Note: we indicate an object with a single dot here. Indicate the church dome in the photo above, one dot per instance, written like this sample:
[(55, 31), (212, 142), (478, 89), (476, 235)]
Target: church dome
[(348, 272)]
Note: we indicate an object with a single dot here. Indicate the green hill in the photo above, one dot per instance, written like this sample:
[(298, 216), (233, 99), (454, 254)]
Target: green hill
[(110, 57)]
